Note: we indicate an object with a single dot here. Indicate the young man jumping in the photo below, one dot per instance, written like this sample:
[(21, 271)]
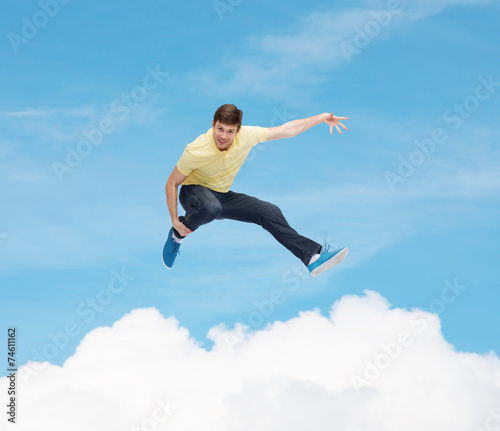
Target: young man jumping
[(206, 171)]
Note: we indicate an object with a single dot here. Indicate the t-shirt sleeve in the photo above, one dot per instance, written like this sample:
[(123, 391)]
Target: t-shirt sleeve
[(187, 162), (257, 134)]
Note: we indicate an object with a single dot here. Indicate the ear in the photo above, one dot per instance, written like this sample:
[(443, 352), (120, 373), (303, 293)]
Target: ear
[(213, 124)]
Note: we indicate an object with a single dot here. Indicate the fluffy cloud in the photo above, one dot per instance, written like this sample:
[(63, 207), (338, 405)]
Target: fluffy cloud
[(366, 366), (285, 61)]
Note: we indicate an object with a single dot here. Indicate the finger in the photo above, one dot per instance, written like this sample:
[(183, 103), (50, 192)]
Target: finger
[(337, 127), (186, 230), (343, 118), (331, 130), (343, 126)]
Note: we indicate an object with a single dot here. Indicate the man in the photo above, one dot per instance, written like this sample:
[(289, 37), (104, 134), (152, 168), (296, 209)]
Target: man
[(206, 171)]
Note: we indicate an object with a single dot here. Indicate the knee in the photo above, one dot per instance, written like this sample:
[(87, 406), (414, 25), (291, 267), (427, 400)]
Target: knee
[(211, 209), (270, 212)]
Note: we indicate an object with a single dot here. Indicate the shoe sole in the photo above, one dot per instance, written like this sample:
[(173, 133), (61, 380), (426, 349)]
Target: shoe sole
[(169, 267), (335, 260), (166, 266)]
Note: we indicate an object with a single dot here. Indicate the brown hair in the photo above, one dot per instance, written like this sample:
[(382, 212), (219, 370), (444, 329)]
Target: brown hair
[(228, 114)]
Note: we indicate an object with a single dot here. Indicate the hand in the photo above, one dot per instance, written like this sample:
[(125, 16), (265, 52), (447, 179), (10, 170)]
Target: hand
[(181, 228), (332, 120)]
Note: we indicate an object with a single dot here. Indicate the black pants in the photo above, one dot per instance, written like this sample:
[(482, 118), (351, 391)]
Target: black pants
[(203, 205)]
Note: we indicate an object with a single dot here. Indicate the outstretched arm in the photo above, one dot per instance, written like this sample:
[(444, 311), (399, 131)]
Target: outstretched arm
[(295, 127)]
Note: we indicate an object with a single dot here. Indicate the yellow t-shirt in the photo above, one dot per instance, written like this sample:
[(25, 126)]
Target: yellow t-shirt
[(204, 164)]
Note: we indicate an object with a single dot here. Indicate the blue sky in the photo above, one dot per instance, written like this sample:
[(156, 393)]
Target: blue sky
[(412, 188)]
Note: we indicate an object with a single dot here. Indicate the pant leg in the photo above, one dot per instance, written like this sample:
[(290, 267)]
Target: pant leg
[(241, 207), (201, 206)]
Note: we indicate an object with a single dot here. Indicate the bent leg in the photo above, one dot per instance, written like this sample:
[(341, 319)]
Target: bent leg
[(241, 207), (201, 206)]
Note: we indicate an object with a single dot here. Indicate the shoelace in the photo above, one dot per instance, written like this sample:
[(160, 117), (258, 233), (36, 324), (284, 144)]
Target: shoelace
[(177, 246), (326, 248)]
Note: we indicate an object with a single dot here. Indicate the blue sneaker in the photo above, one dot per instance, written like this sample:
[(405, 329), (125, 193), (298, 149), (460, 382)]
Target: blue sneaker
[(327, 259), (170, 250)]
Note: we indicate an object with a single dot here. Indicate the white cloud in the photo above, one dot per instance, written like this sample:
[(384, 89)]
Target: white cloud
[(61, 126), (277, 62), (83, 111), (287, 62), (424, 8), (145, 372)]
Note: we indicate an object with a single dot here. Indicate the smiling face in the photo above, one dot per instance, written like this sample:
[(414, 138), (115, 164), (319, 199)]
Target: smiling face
[(224, 135)]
